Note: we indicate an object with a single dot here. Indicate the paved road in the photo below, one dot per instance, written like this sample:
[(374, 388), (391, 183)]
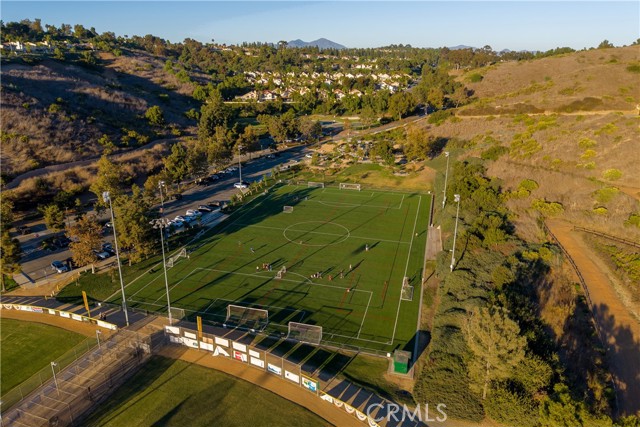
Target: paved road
[(36, 263)]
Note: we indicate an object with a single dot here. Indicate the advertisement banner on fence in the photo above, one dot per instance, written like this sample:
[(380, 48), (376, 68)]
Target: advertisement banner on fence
[(190, 335), (222, 342), (65, 314), (291, 376), (257, 362), (219, 351), (172, 330), (76, 317), (37, 309), (310, 384), (239, 347), (189, 342), (51, 311), (7, 306), (254, 353), (206, 346), (274, 369), (238, 355)]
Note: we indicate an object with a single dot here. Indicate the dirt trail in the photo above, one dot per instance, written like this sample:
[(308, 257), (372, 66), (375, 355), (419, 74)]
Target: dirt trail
[(82, 328), (619, 328), (293, 393)]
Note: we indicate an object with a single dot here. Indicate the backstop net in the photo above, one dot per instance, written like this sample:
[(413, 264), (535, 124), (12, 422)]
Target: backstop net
[(349, 186), (303, 332), (312, 184), (287, 209), (238, 316)]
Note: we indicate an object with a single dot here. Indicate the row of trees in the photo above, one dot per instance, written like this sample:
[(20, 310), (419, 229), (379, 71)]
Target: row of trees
[(490, 352)]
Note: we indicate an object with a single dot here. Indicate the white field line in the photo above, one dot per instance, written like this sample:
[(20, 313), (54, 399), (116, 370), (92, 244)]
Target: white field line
[(413, 233), (353, 205), (365, 316), (326, 234)]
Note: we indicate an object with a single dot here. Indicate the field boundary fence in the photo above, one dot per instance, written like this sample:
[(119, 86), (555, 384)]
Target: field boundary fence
[(585, 289), (607, 236), (314, 379)]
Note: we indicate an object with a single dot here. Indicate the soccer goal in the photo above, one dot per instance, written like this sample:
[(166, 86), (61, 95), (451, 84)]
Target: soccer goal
[(303, 332), (246, 317), (312, 184), (177, 313), (173, 259), (349, 186), (407, 290), (281, 272), (287, 209)]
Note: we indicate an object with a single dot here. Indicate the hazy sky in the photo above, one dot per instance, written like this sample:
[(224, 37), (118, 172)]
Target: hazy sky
[(514, 25)]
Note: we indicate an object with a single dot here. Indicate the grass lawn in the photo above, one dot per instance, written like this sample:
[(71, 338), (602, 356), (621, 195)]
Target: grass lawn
[(170, 392), (368, 372), (328, 231), (28, 347)]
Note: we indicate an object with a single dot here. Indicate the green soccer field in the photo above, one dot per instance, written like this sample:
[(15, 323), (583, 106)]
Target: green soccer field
[(346, 254)]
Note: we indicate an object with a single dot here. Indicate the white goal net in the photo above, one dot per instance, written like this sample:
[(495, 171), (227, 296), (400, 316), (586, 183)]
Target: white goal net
[(173, 259), (349, 186), (315, 184), (407, 290), (287, 209), (303, 332), (246, 317)]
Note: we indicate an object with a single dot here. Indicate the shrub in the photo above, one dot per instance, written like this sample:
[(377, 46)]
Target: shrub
[(634, 68), (612, 174), (604, 195), (634, 220), (587, 143), (529, 184), (438, 117), (155, 115), (509, 408), (494, 153), (588, 154), (475, 78), (600, 210), (547, 208)]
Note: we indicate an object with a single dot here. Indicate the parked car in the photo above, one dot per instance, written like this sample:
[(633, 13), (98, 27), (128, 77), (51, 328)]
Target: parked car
[(308, 155), (179, 218), (106, 247), (23, 229), (241, 184), (177, 196), (59, 267), (102, 254), (70, 263), (61, 242), (204, 208), (194, 212)]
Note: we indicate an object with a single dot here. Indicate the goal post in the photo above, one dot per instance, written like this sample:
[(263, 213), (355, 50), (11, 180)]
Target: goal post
[(174, 258), (287, 209), (304, 332), (407, 290), (312, 184), (349, 186), (239, 316)]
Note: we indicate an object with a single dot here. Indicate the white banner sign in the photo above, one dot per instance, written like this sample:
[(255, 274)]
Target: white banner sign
[(222, 342), (190, 335), (291, 376), (172, 330), (274, 369), (206, 346), (189, 342), (257, 362), (254, 353), (76, 317), (239, 347), (64, 314), (219, 351)]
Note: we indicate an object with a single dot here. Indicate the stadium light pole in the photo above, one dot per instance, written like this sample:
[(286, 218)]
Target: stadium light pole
[(162, 225), (98, 333), (55, 379), (107, 198), (239, 162), (446, 176), (456, 198)]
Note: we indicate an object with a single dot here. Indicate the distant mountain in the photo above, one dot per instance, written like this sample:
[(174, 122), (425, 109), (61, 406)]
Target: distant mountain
[(461, 46), (320, 43)]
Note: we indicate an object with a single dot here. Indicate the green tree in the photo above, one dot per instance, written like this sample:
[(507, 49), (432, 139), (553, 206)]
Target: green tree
[(53, 217), (9, 256), (213, 113), (561, 410), (6, 211), (175, 165), (108, 178), (605, 44), (401, 104), (132, 222), (416, 145), (311, 130), (86, 236), (494, 340), (155, 115)]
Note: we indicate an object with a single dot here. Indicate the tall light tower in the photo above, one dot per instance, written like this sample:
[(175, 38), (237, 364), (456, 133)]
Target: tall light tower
[(456, 198), (161, 224), (107, 198), (239, 162), (446, 176)]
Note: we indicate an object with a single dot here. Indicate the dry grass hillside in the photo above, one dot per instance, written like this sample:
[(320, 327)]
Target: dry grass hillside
[(587, 161), (594, 80), (54, 112)]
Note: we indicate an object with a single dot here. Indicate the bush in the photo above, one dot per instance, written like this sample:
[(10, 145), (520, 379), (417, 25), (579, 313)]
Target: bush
[(587, 143), (600, 210), (634, 220), (475, 78), (634, 68), (155, 115), (612, 174), (494, 153), (606, 194), (529, 184), (509, 408), (438, 117), (547, 208)]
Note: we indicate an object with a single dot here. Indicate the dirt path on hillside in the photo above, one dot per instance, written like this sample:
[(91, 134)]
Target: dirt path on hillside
[(291, 392), (551, 113), (82, 328), (619, 328)]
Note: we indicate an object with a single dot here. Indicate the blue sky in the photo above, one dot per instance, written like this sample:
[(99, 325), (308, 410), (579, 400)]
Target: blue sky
[(512, 25)]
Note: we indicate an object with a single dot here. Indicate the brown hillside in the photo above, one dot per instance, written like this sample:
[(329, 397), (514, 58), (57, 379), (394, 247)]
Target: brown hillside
[(54, 112), (582, 81)]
